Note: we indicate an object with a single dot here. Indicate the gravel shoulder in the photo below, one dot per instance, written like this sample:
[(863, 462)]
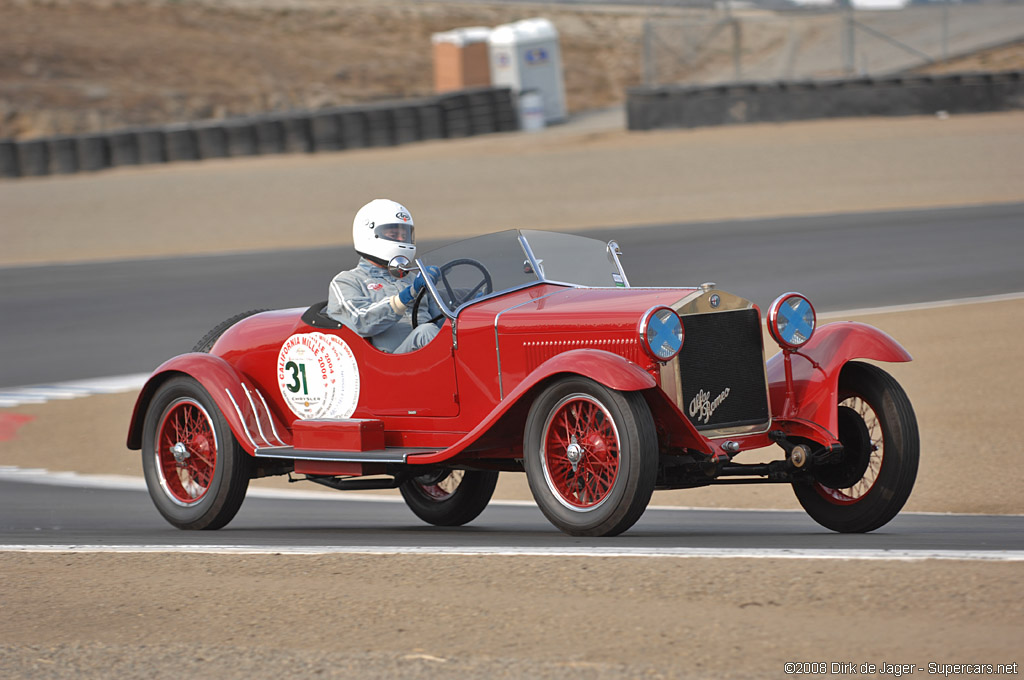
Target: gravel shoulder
[(375, 616)]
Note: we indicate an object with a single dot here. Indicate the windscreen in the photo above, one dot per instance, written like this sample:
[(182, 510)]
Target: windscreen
[(567, 258), (492, 264)]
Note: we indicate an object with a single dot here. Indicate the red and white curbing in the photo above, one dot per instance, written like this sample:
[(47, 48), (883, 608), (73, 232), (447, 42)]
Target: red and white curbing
[(72, 389)]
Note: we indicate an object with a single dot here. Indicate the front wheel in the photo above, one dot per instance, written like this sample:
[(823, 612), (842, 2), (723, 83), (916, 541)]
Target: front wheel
[(591, 456), (881, 448), (449, 498), (196, 472)]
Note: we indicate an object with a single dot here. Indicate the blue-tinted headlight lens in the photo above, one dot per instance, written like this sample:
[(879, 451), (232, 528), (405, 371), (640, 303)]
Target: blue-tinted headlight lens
[(795, 321), (664, 334)]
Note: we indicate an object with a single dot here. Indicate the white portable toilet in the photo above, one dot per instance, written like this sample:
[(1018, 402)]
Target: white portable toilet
[(525, 56)]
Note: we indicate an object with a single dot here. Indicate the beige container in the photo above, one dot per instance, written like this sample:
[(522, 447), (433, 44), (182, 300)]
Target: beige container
[(461, 59)]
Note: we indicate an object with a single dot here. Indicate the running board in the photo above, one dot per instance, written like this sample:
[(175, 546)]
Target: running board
[(389, 455)]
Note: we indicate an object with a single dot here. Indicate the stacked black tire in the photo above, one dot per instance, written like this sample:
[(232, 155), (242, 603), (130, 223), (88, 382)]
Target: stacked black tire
[(451, 115)]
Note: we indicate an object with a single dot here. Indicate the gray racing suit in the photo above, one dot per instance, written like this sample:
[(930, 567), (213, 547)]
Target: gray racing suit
[(364, 299)]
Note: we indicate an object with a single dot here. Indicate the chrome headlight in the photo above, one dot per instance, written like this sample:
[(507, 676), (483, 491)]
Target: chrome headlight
[(791, 320), (661, 333)]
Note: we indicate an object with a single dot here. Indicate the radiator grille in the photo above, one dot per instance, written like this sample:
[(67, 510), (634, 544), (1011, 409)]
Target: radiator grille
[(721, 371)]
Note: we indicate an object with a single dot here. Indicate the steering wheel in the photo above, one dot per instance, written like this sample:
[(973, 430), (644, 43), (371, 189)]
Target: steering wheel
[(485, 287)]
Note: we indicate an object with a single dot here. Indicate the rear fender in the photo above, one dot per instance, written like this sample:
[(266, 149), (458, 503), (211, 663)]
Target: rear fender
[(611, 370), (241, 404), (816, 368)]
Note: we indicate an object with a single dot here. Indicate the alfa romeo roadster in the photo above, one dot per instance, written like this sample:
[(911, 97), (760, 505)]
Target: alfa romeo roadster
[(547, 362)]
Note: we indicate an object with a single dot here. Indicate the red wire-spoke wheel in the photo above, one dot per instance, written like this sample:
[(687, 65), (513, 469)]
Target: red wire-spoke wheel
[(877, 427), (580, 452), (446, 497), (591, 456), (196, 472), (187, 451)]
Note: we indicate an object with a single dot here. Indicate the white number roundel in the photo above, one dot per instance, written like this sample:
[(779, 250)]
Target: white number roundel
[(318, 376)]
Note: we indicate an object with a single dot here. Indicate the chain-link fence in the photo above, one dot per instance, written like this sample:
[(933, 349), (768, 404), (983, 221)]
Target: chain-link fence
[(728, 45)]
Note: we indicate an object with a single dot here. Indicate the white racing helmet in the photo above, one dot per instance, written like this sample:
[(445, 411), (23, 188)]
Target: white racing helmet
[(383, 229)]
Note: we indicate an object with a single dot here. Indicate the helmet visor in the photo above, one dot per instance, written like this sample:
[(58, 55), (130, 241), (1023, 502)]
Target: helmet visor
[(395, 231)]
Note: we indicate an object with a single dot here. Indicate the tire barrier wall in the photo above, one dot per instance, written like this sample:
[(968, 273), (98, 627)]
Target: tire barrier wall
[(451, 115), (677, 106)]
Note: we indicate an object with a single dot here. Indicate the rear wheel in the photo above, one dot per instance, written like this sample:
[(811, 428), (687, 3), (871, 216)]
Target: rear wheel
[(449, 498), (196, 472), (878, 431), (591, 456)]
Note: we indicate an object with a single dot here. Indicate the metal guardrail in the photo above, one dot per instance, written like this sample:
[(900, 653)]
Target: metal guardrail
[(450, 115), (682, 106)]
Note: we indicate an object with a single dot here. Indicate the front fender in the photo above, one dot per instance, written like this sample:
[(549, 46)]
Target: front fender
[(611, 370), (816, 369), (242, 405)]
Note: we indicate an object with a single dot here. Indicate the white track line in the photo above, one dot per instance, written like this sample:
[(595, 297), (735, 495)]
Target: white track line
[(918, 306), (643, 552), (73, 389)]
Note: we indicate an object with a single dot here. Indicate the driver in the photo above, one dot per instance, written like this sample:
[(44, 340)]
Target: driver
[(368, 299)]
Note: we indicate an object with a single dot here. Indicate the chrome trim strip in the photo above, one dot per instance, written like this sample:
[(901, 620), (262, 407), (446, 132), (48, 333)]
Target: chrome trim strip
[(398, 455), (497, 348), (259, 426), (273, 427), (241, 418), (256, 412)]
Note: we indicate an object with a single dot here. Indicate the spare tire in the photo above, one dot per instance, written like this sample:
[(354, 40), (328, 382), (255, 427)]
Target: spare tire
[(210, 338)]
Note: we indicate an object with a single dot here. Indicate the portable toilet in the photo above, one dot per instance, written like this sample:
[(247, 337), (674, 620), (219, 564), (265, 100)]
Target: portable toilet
[(525, 56), (461, 58)]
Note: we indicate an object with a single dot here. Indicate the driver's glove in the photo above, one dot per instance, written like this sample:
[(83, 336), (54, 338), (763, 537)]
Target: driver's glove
[(409, 294)]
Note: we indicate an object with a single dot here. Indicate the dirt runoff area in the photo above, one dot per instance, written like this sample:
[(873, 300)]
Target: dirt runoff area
[(398, 616), (88, 65)]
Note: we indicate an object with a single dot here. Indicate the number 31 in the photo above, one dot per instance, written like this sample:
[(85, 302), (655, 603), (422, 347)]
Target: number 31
[(298, 384)]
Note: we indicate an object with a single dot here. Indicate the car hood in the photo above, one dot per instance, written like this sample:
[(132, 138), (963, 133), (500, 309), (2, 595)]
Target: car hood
[(586, 310)]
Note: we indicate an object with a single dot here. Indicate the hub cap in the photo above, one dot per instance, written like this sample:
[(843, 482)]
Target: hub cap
[(442, 485), (580, 452)]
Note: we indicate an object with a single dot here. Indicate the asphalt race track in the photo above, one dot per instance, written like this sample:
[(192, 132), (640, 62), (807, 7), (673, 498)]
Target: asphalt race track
[(101, 319), (116, 318), (35, 514)]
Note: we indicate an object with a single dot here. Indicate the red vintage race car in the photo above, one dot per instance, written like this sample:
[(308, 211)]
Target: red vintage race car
[(547, 362)]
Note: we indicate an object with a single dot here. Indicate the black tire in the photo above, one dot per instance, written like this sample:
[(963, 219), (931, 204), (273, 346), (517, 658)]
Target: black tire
[(204, 485), (210, 338), (609, 486), (449, 498), (878, 430)]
